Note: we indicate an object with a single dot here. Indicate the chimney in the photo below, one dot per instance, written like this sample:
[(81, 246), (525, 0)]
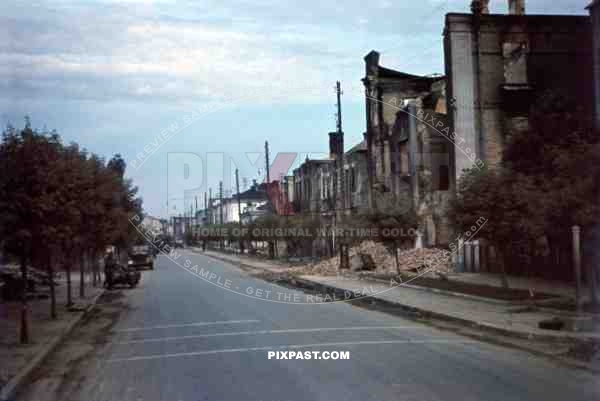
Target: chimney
[(336, 145), (371, 63), (479, 7), (516, 7)]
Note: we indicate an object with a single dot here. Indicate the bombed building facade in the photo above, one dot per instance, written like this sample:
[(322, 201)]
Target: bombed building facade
[(594, 9), (409, 157), (497, 66), (423, 132)]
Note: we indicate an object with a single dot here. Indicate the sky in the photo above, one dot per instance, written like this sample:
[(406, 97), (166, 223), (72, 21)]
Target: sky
[(197, 87)]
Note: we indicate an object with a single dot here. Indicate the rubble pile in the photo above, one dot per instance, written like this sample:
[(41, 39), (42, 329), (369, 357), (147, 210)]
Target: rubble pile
[(326, 267), (435, 259)]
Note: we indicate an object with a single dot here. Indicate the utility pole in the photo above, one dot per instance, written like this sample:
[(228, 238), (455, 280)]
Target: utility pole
[(192, 220), (339, 199), (205, 208), (267, 161), (185, 219), (221, 210), (338, 92), (221, 202), (239, 202), (210, 199), (271, 243)]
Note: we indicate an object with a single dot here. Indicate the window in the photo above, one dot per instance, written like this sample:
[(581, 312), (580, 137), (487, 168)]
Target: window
[(444, 178)]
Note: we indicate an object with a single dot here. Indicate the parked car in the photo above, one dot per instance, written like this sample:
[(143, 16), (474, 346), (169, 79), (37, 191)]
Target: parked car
[(127, 275), (141, 256), (178, 243)]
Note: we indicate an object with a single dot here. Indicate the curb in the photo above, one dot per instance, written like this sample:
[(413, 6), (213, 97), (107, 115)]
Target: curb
[(13, 386), (235, 263), (411, 286), (412, 311), (454, 294), (536, 304), (486, 333)]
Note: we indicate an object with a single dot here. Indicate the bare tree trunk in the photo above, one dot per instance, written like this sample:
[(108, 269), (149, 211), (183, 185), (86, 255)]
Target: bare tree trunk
[(52, 287), (271, 250), (24, 332), (94, 263), (396, 257), (68, 274), (592, 274), (576, 250), (82, 275), (504, 260)]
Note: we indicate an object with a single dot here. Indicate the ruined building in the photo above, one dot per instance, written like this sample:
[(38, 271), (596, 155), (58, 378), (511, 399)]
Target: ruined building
[(594, 9), (327, 188), (355, 190), (409, 157), (424, 131), (497, 66)]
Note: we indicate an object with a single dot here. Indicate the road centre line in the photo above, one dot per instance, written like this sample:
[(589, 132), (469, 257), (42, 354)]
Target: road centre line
[(295, 346), (283, 331), (167, 326)]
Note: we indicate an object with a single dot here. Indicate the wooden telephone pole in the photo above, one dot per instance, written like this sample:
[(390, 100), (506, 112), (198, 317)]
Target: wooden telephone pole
[(221, 209), (267, 161), (271, 243), (239, 202), (205, 208), (339, 200), (210, 200)]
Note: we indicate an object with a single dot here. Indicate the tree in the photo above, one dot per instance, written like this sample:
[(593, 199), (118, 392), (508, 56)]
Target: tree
[(26, 198), (125, 204), (509, 205), (59, 202), (540, 191)]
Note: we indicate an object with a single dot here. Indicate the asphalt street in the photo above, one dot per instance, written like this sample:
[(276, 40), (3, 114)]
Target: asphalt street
[(182, 338)]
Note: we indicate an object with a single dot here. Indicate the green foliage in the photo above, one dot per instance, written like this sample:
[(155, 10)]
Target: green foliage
[(547, 184), (510, 204), (60, 199)]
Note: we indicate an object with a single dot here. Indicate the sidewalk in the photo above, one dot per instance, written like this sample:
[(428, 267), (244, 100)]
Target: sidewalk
[(505, 319), (525, 283), (18, 360)]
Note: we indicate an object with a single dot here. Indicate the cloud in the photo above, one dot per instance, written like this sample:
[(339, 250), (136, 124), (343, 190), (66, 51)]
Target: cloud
[(167, 51), (159, 50)]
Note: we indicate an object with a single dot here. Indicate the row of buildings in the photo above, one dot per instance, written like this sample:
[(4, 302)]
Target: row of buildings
[(422, 132)]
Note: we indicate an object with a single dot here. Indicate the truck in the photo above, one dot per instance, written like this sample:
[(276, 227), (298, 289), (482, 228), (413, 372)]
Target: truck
[(141, 256)]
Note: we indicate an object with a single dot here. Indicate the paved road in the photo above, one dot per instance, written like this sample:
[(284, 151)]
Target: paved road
[(181, 338)]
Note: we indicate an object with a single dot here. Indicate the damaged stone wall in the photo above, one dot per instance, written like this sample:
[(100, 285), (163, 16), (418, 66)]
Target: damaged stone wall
[(408, 155), (594, 9), (497, 65)]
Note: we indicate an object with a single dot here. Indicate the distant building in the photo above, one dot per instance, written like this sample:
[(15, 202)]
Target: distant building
[(153, 223), (250, 201), (179, 226), (287, 186), (313, 186)]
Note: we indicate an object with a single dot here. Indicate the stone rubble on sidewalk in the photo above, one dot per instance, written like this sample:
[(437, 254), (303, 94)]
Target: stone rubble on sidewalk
[(435, 259)]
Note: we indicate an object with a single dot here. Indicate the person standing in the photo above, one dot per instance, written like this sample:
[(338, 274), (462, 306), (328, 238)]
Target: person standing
[(109, 269)]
